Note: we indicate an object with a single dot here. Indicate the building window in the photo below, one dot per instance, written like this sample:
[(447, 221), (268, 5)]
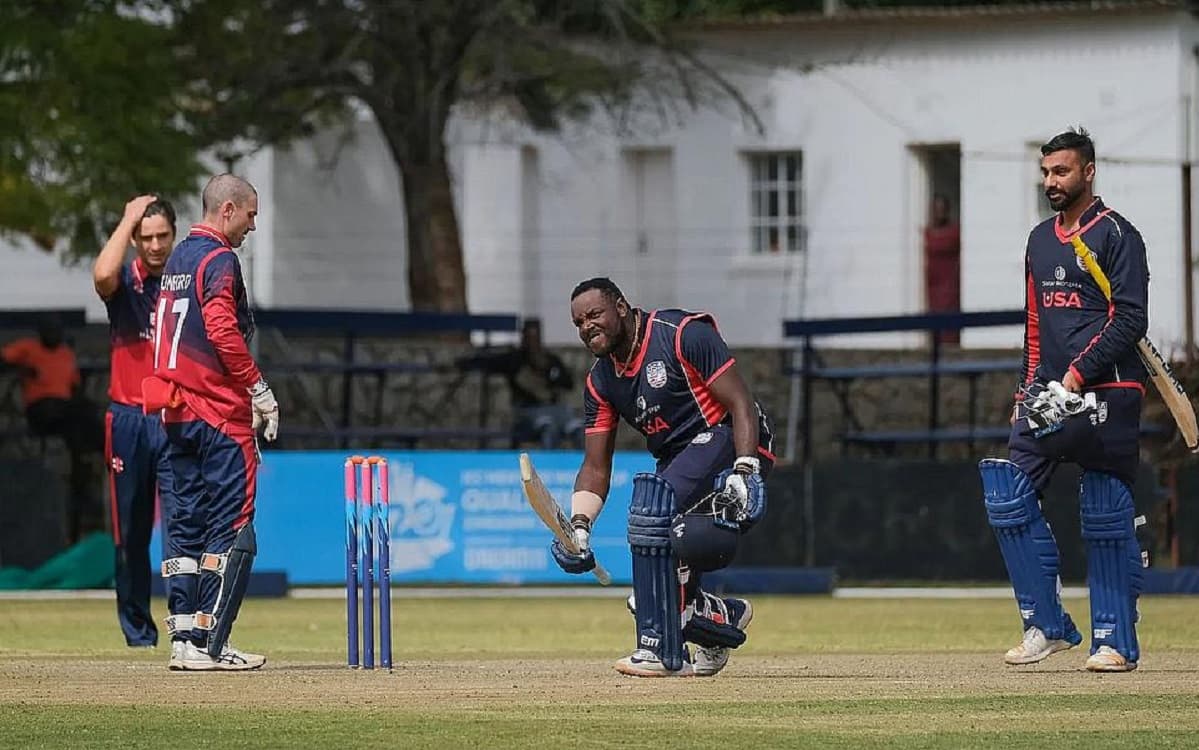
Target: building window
[(776, 202)]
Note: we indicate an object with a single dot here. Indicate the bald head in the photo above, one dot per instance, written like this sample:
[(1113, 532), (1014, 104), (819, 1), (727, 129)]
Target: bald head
[(230, 206), (226, 187)]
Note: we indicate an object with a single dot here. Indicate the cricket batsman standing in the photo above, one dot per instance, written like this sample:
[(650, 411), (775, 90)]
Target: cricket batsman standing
[(1079, 402)]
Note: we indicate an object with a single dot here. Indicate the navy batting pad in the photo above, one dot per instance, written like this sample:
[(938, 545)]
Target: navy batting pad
[(1027, 544), (655, 570), (1114, 568)]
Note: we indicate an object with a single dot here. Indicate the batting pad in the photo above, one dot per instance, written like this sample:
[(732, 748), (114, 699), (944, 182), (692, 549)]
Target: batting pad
[(655, 570), (1027, 544), (1114, 567), (233, 568)]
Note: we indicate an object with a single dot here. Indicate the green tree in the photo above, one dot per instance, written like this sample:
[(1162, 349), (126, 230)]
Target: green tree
[(275, 70), (88, 118)]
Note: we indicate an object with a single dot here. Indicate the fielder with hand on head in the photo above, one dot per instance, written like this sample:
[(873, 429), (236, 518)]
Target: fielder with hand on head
[(134, 442), (1079, 402), (213, 398), (669, 374)]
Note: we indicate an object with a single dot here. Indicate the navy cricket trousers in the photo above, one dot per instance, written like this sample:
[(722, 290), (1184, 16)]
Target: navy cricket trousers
[(138, 474), (215, 473)]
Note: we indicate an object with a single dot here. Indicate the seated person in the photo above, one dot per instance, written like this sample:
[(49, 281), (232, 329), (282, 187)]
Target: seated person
[(537, 378), (54, 407)]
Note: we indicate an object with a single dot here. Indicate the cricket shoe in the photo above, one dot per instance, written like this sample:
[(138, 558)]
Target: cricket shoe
[(710, 660), (1108, 659), (1036, 647), (188, 657), (644, 663)]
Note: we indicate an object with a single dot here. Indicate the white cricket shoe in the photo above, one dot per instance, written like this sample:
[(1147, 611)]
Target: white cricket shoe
[(178, 653), (186, 656), (643, 663), (1108, 659), (1035, 647), (709, 661)]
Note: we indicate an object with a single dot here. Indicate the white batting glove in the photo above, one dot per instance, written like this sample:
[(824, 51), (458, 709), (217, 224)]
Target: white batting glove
[(734, 483), (265, 409), (1070, 403)]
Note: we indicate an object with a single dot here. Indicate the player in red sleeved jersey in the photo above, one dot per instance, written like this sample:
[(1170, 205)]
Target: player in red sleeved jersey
[(669, 374), (213, 398), (1079, 402), (135, 444)]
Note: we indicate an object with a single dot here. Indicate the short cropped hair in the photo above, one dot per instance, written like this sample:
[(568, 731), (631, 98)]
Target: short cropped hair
[(605, 285), (1075, 139), (226, 187), (161, 208)]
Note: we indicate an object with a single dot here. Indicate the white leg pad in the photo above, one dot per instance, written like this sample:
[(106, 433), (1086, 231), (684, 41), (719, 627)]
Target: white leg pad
[(179, 566)]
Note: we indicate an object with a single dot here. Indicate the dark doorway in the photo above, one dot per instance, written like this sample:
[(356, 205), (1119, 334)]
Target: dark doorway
[(941, 236)]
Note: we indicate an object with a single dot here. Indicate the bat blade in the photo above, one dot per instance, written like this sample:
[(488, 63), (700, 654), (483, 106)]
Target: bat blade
[(1172, 392), (551, 514)]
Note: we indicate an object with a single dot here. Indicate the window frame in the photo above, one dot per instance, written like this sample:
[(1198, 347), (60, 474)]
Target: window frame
[(776, 203)]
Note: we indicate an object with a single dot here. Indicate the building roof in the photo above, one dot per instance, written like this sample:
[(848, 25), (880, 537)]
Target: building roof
[(945, 14)]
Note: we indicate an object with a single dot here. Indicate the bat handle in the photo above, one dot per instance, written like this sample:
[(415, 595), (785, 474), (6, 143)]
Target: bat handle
[(601, 575)]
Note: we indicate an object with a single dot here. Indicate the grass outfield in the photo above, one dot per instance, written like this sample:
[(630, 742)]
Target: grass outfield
[(816, 672)]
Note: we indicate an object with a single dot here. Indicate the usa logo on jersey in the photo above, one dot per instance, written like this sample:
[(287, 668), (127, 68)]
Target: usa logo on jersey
[(655, 374)]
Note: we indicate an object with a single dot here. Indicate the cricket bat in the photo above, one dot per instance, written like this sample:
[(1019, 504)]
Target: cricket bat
[(1167, 385), (551, 513)]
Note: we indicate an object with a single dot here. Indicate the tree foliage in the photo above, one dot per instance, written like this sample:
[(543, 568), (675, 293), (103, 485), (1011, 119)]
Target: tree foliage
[(87, 119), (278, 69), (103, 99)]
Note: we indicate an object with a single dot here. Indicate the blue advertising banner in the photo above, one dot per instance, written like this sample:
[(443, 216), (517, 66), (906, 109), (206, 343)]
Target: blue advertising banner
[(456, 517)]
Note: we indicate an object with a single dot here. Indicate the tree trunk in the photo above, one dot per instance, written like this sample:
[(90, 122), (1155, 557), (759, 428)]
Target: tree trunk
[(436, 275)]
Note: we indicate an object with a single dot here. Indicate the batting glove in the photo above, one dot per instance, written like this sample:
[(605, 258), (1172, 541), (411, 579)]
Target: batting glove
[(744, 484), (584, 561)]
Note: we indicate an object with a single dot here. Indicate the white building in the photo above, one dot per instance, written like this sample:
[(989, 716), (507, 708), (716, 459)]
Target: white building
[(865, 115)]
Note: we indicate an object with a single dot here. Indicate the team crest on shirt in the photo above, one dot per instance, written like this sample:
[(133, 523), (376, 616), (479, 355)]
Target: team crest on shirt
[(1082, 266), (1059, 273), (655, 373)]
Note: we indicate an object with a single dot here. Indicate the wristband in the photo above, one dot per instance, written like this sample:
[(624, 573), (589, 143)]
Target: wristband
[(747, 465), (581, 521)]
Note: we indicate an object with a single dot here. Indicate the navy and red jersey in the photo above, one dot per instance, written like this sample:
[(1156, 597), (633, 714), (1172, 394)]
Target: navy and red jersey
[(665, 393), (203, 329), (131, 332), (1071, 325)]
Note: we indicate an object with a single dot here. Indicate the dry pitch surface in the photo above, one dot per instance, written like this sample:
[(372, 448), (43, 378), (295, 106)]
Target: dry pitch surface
[(817, 672)]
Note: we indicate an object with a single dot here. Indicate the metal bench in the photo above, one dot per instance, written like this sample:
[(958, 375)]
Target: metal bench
[(804, 366)]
